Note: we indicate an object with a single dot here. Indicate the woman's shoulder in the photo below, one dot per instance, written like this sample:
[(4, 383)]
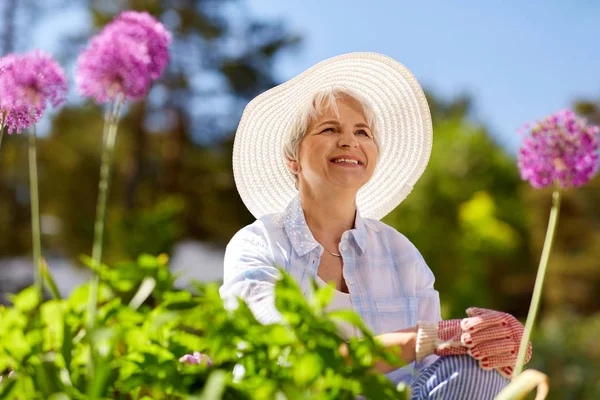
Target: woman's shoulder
[(384, 229), (258, 231), (389, 237)]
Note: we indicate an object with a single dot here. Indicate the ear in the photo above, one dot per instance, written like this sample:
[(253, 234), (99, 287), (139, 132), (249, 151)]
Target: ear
[(294, 166)]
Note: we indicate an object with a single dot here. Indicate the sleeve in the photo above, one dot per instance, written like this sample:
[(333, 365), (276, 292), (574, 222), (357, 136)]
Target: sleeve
[(428, 301), (250, 273), (428, 297)]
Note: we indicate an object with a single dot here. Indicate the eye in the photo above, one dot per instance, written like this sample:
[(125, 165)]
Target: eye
[(362, 132), (330, 129)]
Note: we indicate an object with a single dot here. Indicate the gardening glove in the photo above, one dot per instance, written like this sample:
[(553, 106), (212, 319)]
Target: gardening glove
[(491, 337)]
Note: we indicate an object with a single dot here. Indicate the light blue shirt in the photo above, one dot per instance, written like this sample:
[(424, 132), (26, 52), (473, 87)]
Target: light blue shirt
[(390, 285)]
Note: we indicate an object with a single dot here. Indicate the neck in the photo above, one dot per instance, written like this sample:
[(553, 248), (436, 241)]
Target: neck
[(328, 215)]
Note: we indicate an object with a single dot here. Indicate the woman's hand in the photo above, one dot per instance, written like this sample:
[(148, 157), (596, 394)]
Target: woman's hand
[(491, 337)]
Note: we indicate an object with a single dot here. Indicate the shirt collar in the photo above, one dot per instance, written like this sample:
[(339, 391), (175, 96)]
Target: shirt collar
[(302, 238)]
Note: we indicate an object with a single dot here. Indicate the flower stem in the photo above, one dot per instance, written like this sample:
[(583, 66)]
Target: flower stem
[(109, 139), (50, 283), (539, 280), (35, 215), (2, 118)]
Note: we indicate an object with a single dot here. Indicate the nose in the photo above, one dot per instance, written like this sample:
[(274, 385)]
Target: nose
[(347, 139)]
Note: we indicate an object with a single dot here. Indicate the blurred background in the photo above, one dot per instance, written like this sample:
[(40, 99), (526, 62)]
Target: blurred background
[(487, 69)]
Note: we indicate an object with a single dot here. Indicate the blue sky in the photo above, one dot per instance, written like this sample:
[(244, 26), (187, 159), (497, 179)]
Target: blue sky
[(519, 60)]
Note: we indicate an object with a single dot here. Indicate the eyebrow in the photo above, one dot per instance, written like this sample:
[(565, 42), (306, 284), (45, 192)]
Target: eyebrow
[(331, 121), (361, 125), (334, 122)]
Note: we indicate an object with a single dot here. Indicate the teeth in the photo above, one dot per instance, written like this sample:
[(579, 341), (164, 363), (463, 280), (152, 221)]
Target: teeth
[(346, 160)]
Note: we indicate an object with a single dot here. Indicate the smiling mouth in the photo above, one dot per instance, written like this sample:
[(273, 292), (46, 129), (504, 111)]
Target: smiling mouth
[(346, 161)]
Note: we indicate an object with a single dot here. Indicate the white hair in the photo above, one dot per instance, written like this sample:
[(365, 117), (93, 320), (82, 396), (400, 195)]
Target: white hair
[(312, 109)]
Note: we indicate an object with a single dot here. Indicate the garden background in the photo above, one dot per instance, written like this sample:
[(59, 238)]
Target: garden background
[(486, 70)]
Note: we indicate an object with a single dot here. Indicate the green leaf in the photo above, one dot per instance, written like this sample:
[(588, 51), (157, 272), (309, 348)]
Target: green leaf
[(49, 281), (67, 345), (47, 375), (6, 387), (215, 386), (348, 316), (59, 396), (280, 335), (377, 386), (307, 368), (290, 301), (19, 346), (147, 261), (89, 262), (182, 305), (78, 298), (322, 297), (26, 300), (103, 356)]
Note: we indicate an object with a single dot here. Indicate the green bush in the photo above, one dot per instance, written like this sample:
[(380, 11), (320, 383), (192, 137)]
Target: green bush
[(566, 348), (145, 325)]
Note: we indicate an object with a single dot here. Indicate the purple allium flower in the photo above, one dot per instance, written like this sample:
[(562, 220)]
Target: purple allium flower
[(124, 58), (27, 82), (561, 148), (143, 27), (195, 358)]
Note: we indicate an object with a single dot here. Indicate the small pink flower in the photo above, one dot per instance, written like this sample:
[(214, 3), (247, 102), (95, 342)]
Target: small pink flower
[(561, 148), (195, 358)]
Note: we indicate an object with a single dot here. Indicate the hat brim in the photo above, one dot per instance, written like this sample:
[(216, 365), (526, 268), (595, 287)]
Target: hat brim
[(404, 133)]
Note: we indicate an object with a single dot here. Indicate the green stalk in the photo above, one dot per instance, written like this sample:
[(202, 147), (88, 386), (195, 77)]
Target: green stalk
[(539, 280), (109, 139), (49, 280), (2, 120), (35, 215)]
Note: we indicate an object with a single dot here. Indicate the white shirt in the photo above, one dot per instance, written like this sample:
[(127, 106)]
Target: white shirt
[(340, 301), (390, 285)]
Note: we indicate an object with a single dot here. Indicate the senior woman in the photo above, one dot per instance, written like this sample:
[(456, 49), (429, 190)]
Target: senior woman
[(318, 160)]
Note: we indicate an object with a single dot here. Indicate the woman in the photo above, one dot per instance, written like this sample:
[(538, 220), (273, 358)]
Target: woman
[(318, 161)]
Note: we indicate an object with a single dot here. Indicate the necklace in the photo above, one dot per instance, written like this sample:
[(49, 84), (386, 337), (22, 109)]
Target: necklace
[(332, 253)]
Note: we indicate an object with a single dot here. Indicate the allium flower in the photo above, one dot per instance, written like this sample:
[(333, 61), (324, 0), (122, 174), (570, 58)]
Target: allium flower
[(561, 148), (15, 119), (124, 58), (143, 27), (27, 82), (195, 358)]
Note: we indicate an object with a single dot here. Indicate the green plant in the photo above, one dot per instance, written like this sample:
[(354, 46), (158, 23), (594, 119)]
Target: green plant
[(144, 325)]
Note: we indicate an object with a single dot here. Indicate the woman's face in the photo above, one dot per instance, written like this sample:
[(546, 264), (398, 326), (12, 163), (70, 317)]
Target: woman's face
[(337, 151)]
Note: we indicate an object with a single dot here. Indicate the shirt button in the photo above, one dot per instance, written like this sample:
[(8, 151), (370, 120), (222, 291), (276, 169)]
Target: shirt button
[(345, 235), (344, 247), (350, 281)]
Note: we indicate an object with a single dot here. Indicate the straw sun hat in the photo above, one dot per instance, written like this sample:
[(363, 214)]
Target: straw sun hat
[(403, 127)]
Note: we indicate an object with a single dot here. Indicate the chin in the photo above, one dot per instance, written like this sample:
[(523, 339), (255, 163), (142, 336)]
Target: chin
[(351, 184)]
